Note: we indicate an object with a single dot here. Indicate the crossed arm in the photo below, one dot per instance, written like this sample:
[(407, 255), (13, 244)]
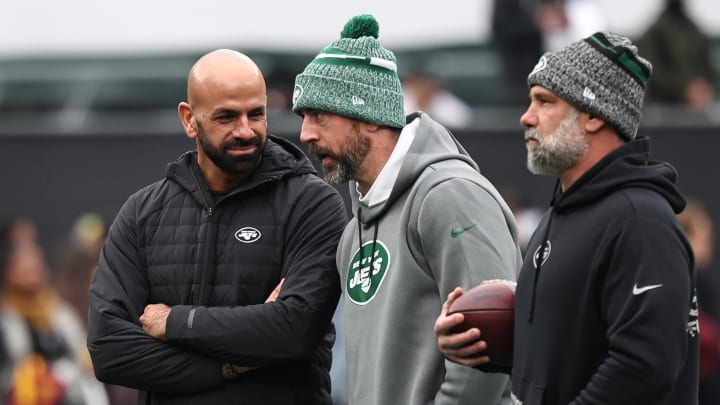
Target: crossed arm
[(154, 321)]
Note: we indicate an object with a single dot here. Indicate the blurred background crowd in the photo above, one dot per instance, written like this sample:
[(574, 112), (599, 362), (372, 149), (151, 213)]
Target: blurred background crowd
[(85, 123)]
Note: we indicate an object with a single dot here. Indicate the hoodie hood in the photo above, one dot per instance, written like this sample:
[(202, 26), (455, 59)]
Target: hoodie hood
[(432, 144), (628, 166)]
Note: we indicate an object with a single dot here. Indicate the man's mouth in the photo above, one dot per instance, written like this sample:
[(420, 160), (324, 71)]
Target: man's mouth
[(325, 159)]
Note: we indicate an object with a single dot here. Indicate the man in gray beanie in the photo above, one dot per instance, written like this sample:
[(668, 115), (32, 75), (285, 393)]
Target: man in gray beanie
[(426, 221), (605, 307)]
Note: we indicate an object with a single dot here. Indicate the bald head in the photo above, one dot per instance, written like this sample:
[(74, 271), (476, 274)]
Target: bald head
[(225, 113), (219, 69)]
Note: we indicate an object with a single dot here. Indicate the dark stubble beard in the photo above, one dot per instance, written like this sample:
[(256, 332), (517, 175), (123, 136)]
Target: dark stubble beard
[(558, 151), (345, 164), (228, 163)]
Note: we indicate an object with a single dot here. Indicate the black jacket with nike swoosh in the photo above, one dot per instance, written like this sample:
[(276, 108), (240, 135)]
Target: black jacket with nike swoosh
[(607, 314), (215, 263)]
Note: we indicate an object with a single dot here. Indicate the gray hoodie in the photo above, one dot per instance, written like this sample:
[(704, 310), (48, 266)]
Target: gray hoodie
[(440, 224)]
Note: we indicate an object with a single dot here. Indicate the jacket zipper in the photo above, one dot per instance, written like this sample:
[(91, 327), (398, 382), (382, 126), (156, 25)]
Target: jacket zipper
[(204, 279), (201, 298)]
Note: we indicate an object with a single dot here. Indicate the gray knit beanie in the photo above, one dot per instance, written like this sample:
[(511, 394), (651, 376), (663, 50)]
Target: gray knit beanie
[(354, 77), (602, 75)]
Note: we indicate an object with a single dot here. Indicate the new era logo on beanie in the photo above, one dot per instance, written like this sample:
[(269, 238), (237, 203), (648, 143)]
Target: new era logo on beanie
[(354, 77), (602, 75)]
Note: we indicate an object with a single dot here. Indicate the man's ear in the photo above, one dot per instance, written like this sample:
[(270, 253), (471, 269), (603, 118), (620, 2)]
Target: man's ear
[(593, 124), (187, 118)]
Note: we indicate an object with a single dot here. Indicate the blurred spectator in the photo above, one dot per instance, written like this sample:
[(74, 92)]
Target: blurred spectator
[(572, 20), (700, 233), (526, 217), (76, 261), (74, 265), (680, 54), (280, 83), (517, 35), (43, 336), (522, 30), (425, 91)]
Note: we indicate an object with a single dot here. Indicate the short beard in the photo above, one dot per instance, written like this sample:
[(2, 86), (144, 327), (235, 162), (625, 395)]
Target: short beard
[(557, 152), (232, 165), (345, 164)]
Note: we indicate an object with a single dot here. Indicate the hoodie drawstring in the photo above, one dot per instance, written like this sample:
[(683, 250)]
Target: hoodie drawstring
[(539, 260), (541, 251), (375, 234)]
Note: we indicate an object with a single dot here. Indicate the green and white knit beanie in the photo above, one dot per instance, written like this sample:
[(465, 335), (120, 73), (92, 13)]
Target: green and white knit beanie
[(602, 75), (354, 77)]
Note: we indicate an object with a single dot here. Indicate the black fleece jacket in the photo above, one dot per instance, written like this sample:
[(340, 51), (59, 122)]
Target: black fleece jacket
[(606, 311), (215, 263)]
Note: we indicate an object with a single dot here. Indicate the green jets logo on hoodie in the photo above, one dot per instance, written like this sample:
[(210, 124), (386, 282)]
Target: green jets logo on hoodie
[(367, 272)]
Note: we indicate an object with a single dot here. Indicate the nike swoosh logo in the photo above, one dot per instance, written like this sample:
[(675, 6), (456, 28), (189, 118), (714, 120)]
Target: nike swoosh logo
[(455, 234), (639, 290)]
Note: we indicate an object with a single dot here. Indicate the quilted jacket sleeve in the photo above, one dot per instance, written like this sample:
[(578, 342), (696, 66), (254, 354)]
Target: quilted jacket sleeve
[(122, 353)]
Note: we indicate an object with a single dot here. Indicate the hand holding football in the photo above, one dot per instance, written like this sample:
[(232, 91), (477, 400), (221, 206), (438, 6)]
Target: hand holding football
[(490, 307)]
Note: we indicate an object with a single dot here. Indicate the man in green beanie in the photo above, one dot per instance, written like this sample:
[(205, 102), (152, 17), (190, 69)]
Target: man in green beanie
[(425, 221), (605, 306)]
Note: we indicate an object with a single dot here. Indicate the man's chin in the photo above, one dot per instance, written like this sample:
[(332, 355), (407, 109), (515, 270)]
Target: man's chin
[(241, 166), (330, 176), (329, 168)]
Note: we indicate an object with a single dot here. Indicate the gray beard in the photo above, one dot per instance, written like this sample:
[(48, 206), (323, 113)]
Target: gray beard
[(559, 151), (340, 175), (348, 160)]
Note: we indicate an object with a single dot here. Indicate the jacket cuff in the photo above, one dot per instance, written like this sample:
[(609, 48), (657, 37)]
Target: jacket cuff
[(180, 319)]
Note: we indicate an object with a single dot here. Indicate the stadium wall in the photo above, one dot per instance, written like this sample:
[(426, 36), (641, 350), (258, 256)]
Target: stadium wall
[(54, 179)]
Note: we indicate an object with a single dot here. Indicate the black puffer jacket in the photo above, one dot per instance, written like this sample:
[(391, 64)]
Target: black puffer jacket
[(215, 263)]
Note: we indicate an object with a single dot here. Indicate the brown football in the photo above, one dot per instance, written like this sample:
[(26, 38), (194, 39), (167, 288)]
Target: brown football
[(490, 307)]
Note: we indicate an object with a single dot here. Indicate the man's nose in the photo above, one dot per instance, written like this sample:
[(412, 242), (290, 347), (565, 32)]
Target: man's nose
[(307, 133), (242, 128), (529, 118)]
